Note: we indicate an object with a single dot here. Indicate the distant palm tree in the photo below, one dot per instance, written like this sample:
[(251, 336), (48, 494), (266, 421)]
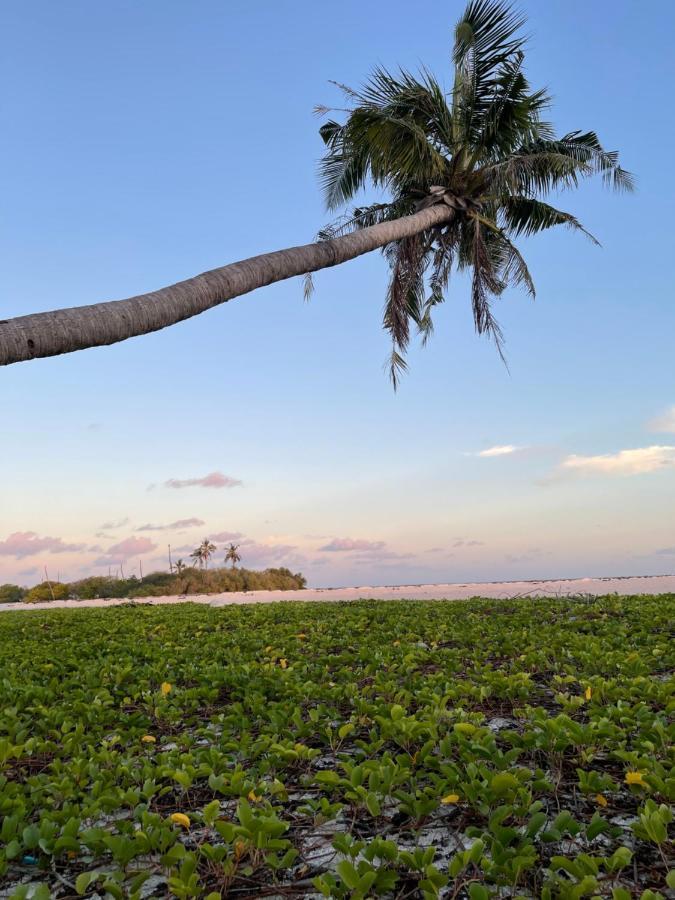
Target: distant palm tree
[(203, 553), (179, 566), (464, 172), (232, 556)]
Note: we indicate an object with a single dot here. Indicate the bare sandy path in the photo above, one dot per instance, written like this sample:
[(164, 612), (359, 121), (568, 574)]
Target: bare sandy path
[(647, 584)]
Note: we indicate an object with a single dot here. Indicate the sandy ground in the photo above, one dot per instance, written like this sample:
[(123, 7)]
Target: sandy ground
[(502, 590)]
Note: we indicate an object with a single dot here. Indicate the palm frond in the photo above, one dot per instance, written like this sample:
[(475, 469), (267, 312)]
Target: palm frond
[(405, 296), (307, 286), (485, 39), (344, 168), (396, 366), (485, 285), (586, 147), (524, 215)]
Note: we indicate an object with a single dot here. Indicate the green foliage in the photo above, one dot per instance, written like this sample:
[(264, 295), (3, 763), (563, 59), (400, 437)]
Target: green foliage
[(11, 593), (45, 591), (158, 584), (368, 749)]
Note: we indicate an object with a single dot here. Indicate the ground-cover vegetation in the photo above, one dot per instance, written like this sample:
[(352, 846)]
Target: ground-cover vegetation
[(372, 749), (187, 580)]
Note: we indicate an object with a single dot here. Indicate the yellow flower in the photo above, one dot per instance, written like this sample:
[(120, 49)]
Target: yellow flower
[(165, 688), (239, 849), (180, 819), (397, 643), (253, 797), (635, 778), (450, 798), (301, 636), (601, 800), (267, 649), (283, 663), (148, 739), (589, 692)]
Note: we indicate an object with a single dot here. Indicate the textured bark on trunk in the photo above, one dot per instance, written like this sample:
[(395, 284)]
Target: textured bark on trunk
[(79, 327)]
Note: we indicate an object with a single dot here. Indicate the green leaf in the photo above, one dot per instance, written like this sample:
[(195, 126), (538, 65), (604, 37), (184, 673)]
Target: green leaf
[(348, 874), (84, 879)]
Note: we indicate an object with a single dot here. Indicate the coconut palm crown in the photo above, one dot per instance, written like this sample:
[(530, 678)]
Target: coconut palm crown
[(232, 555), (203, 553), (484, 149)]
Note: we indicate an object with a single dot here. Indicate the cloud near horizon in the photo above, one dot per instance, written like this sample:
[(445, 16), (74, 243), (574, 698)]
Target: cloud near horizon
[(124, 550), (625, 462), (665, 422), (226, 536), (363, 552), (212, 480), (350, 545), (465, 542), (180, 523), (111, 526), (27, 543)]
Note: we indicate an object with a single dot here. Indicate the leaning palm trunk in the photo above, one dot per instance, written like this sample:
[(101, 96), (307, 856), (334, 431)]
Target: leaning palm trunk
[(66, 330)]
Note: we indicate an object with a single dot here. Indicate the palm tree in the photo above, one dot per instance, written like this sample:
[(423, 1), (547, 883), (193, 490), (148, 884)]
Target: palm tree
[(179, 566), (232, 556), (203, 553), (465, 173)]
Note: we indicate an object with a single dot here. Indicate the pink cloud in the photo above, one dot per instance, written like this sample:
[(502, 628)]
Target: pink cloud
[(365, 552), (213, 480), (27, 543), (226, 536), (132, 546), (257, 554), (348, 545), (179, 523), (124, 550)]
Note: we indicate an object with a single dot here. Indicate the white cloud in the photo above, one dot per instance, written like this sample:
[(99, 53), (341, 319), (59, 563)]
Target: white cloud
[(625, 462), (664, 422), (499, 450)]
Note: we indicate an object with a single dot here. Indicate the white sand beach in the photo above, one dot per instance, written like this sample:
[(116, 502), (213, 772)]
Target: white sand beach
[(501, 590)]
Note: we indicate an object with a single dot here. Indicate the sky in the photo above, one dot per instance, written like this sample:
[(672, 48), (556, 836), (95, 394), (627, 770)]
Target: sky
[(147, 142)]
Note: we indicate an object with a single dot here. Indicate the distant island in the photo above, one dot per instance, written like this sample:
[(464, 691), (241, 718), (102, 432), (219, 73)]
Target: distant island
[(187, 580)]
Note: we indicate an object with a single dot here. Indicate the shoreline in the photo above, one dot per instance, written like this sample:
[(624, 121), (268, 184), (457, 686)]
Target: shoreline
[(497, 590)]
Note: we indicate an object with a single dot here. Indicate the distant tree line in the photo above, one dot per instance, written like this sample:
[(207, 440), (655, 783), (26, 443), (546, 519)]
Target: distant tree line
[(181, 580), (185, 581)]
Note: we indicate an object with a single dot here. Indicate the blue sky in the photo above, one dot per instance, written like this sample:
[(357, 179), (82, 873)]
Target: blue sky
[(147, 142)]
